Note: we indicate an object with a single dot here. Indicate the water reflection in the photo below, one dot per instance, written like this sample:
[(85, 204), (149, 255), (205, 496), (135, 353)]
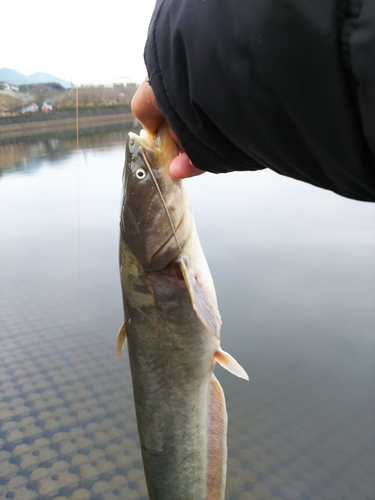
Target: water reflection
[(295, 276), (18, 156)]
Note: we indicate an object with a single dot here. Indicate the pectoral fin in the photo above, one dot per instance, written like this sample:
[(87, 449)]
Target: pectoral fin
[(206, 311), (229, 363), (121, 337)]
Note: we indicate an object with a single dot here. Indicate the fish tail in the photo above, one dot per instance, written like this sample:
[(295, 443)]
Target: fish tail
[(217, 442)]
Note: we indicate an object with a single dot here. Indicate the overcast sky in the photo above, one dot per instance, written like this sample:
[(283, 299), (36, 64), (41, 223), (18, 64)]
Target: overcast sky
[(76, 40)]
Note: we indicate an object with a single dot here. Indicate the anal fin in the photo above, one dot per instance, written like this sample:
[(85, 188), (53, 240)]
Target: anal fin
[(217, 442)]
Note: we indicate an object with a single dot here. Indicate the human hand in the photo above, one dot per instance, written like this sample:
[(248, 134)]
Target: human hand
[(146, 110)]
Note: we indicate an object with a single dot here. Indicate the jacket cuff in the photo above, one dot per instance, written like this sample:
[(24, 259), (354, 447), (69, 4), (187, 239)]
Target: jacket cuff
[(200, 153)]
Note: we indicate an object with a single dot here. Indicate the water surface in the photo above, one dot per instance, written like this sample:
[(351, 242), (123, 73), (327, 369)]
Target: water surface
[(294, 271)]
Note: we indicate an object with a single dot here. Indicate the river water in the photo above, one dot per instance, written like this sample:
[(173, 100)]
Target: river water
[(294, 270)]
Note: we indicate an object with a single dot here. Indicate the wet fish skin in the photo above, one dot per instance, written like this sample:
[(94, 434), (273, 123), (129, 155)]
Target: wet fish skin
[(172, 324)]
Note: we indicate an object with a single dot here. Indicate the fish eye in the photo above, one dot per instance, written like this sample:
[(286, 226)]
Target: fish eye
[(140, 173)]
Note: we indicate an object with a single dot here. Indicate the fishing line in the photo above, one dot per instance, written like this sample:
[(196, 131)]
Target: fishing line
[(162, 198), (79, 304)]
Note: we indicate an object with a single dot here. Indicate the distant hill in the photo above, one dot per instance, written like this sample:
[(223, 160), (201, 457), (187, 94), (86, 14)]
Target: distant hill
[(11, 76)]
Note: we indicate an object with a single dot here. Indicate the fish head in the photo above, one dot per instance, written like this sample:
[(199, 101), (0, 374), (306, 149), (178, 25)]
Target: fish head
[(156, 217)]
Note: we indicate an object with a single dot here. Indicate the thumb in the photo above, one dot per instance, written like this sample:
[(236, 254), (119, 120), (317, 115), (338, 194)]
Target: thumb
[(145, 108)]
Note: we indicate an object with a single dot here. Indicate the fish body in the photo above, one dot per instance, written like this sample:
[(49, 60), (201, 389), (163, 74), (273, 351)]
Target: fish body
[(172, 324)]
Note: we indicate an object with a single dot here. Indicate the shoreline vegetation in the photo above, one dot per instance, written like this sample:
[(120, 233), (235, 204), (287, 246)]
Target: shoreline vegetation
[(14, 99), (99, 108), (41, 126)]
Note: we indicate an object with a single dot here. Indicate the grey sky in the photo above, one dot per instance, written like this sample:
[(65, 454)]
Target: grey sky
[(76, 40)]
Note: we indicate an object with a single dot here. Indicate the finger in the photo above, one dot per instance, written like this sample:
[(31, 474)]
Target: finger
[(145, 108), (181, 167)]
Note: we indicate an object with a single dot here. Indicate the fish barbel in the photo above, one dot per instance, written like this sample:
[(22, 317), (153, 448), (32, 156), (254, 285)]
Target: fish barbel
[(172, 324)]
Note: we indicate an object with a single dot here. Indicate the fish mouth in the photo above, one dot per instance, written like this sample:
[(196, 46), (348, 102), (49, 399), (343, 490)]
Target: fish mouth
[(146, 139), (159, 148), (145, 146)]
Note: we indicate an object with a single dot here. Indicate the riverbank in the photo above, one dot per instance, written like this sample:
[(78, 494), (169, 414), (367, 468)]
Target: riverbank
[(34, 126)]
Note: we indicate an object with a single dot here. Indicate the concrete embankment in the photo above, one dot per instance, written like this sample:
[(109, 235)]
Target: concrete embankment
[(24, 128)]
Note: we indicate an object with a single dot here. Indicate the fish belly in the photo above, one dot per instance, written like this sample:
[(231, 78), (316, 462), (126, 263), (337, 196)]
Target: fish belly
[(180, 405)]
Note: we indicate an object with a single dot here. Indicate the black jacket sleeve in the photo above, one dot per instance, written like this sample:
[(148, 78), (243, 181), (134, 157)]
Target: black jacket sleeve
[(283, 84)]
